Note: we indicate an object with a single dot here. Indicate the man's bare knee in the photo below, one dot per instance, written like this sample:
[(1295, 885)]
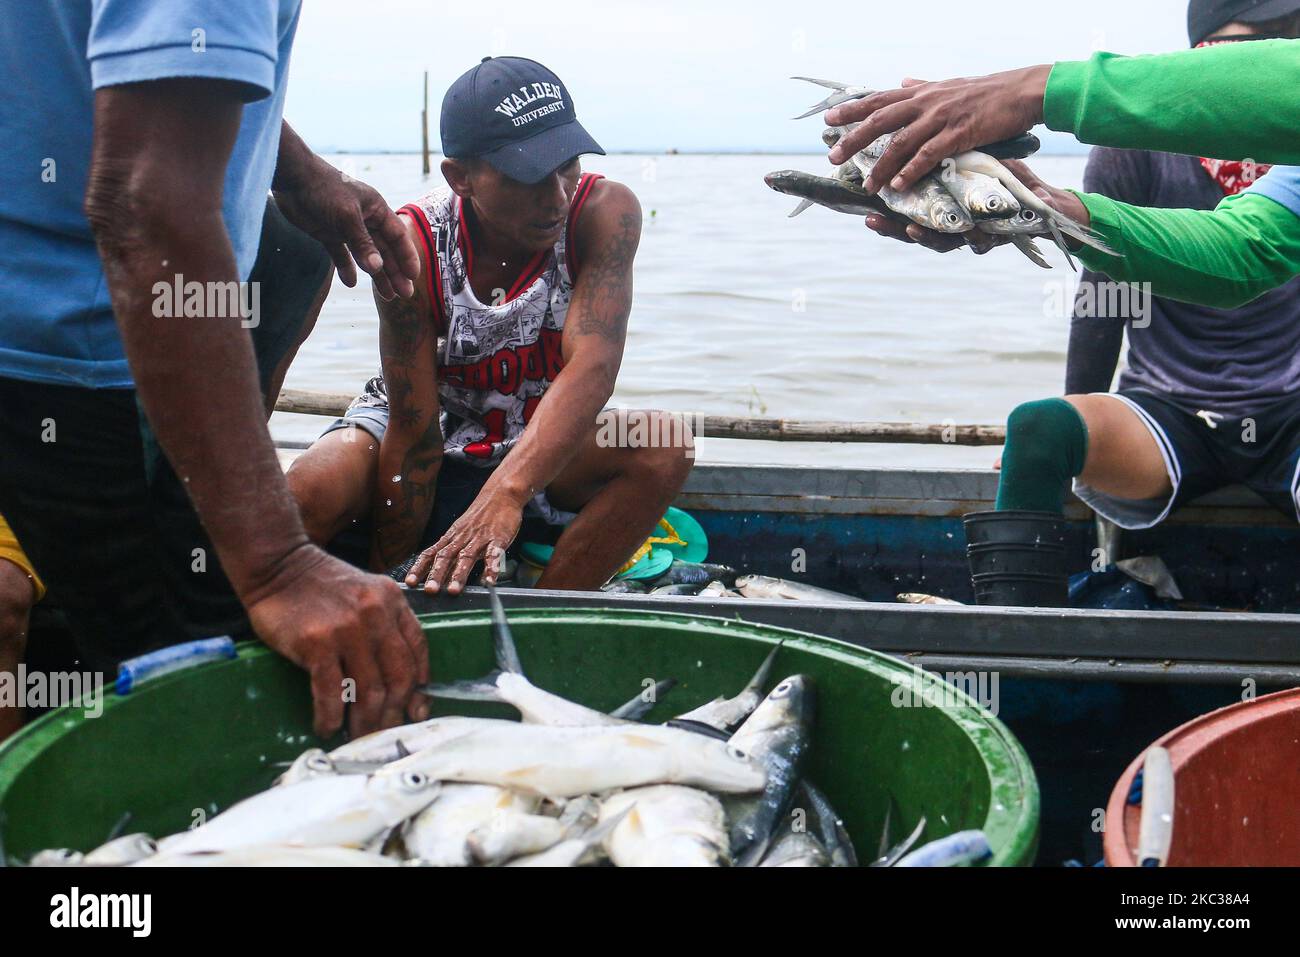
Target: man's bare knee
[(668, 459), (331, 482)]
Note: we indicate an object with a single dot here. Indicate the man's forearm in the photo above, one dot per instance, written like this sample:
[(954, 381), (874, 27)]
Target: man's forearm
[(1095, 342), (197, 380), (404, 493), (1232, 101), (295, 163), (562, 422), (1224, 257)]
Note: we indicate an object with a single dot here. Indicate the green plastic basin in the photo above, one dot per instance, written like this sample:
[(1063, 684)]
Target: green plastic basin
[(190, 743)]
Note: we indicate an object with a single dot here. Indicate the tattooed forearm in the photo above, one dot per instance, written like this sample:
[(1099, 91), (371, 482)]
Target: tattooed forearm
[(404, 328), (605, 307), (410, 455), (401, 520)]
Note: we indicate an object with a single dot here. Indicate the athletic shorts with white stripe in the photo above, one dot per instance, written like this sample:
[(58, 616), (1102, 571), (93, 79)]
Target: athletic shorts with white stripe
[(1205, 451)]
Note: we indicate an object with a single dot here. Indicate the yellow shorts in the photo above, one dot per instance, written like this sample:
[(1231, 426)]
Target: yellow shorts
[(11, 551)]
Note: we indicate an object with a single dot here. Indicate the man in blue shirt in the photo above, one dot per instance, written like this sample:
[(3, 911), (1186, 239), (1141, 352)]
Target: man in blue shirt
[(145, 137)]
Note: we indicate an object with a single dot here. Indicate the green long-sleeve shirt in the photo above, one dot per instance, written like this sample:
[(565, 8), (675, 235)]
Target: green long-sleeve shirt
[(1236, 100), (1231, 101)]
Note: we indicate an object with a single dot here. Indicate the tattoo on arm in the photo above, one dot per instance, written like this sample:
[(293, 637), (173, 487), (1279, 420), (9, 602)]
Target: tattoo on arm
[(609, 284), (406, 333)]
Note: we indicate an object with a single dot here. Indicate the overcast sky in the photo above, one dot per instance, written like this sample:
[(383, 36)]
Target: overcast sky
[(690, 74)]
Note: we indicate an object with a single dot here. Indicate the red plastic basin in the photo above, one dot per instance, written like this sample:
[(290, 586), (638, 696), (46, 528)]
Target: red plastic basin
[(1236, 789)]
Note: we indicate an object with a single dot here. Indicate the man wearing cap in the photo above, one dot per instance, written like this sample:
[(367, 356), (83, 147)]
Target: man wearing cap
[(491, 402), (1210, 397)]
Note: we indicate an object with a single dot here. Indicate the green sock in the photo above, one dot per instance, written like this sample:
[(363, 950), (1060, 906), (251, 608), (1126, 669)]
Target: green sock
[(1047, 446)]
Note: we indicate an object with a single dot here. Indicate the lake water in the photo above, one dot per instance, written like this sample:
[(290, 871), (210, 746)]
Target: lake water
[(740, 310)]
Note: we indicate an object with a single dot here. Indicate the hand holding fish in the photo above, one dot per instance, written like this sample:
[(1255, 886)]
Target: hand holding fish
[(483, 534), (934, 121), (1063, 201)]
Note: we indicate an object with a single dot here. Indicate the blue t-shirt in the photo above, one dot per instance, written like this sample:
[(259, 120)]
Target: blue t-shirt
[(1282, 184), (56, 322)]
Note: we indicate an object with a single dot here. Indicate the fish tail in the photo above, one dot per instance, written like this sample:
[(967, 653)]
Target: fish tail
[(637, 708), (503, 642), (1027, 246), (829, 84), (757, 682), (834, 100), (1057, 238)]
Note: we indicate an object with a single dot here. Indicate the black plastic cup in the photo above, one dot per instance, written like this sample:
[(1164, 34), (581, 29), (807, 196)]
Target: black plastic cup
[(1017, 558)]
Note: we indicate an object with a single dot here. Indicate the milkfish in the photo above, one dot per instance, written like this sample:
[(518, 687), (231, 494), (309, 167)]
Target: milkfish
[(510, 834), (916, 598), (777, 735), (763, 587), (833, 193), (928, 203), (666, 826), (585, 848), (346, 810), (439, 835), (562, 762)]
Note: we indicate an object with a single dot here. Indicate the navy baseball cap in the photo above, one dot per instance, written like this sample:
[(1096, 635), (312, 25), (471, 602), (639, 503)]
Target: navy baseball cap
[(1204, 17), (515, 114)]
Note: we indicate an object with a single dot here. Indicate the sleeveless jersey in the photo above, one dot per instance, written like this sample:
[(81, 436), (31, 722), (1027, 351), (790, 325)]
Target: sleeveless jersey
[(495, 359)]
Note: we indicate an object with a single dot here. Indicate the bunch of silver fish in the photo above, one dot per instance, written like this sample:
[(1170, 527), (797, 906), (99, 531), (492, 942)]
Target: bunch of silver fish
[(722, 784), (973, 191)]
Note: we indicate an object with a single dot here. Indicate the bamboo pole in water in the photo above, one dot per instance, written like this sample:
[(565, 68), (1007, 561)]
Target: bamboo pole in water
[(424, 123), (741, 427)]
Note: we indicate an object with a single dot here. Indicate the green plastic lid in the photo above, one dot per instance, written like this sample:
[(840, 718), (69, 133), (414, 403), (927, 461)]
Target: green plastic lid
[(696, 543)]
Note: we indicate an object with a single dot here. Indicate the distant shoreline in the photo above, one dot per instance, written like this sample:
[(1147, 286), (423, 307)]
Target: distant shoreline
[(803, 152)]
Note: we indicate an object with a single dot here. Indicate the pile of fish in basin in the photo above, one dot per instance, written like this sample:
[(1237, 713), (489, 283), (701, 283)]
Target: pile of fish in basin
[(973, 192), (719, 785)]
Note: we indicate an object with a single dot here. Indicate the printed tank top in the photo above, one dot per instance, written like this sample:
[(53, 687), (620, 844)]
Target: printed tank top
[(495, 360)]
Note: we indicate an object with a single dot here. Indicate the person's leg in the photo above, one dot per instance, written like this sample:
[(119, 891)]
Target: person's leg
[(17, 595), (333, 482), (276, 382), (72, 488), (619, 492), (1098, 439), (294, 273)]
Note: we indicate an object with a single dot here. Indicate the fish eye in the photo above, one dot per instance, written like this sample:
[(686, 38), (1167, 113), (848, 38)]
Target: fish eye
[(737, 753), (414, 781)]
